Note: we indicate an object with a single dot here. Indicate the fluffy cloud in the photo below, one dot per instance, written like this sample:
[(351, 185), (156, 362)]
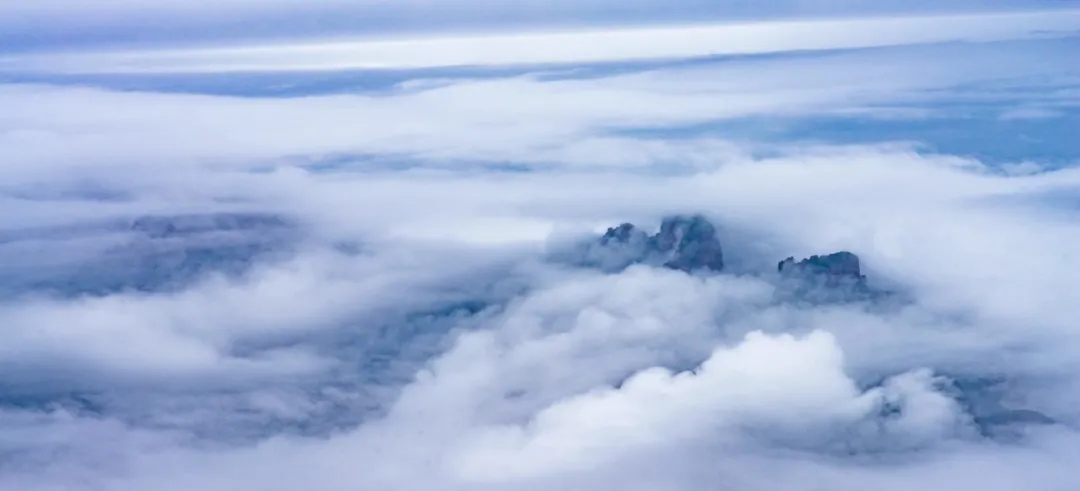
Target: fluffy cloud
[(408, 328), (522, 388), (777, 389)]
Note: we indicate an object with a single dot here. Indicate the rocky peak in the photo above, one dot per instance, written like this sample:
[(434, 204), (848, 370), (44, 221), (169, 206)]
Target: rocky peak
[(623, 234), (821, 279), (689, 243), (685, 243), (838, 264)]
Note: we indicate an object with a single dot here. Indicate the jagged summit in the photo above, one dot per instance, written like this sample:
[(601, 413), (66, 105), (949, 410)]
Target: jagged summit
[(690, 243), (835, 277), (685, 243), (622, 234), (838, 266)]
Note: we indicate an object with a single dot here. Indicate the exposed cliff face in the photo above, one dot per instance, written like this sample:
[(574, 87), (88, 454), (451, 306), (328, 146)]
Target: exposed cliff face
[(689, 243), (820, 279), (838, 265), (685, 243)]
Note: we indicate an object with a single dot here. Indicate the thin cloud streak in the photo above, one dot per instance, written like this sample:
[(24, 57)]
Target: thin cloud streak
[(34, 25), (528, 120), (571, 47)]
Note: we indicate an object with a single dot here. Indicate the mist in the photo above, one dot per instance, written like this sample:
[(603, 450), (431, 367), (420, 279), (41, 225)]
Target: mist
[(573, 273)]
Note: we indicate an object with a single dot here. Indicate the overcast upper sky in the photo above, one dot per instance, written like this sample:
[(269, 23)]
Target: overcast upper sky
[(43, 24)]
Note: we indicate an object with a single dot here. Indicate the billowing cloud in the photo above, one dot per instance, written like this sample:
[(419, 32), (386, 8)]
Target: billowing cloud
[(778, 388)]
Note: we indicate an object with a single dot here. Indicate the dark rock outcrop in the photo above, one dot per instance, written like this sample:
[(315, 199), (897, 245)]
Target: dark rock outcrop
[(623, 234), (685, 243), (835, 277), (689, 243), (836, 268)]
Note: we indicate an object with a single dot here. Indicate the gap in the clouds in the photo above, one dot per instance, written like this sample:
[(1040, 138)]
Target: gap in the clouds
[(301, 83), (271, 84), (984, 133), (1006, 120), (380, 164), (141, 254), (427, 166), (264, 84), (286, 84)]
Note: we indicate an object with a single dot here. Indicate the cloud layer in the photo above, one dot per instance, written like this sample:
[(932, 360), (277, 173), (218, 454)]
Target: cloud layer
[(30, 25), (357, 286), (573, 47)]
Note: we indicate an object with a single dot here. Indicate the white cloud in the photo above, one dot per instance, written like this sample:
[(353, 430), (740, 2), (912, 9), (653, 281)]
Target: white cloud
[(780, 388), (331, 370), (520, 119)]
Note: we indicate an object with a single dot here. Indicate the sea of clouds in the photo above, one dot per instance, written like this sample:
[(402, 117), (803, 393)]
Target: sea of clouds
[(327, 277)]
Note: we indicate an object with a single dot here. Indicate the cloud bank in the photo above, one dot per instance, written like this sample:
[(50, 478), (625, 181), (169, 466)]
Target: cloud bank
[(360, 286)]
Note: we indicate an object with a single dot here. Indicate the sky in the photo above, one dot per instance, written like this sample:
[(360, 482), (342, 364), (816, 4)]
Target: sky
[(57, 24), (253, 245)]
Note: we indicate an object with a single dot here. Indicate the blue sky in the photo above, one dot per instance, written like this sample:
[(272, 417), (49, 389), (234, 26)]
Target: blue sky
[(361, 285)]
